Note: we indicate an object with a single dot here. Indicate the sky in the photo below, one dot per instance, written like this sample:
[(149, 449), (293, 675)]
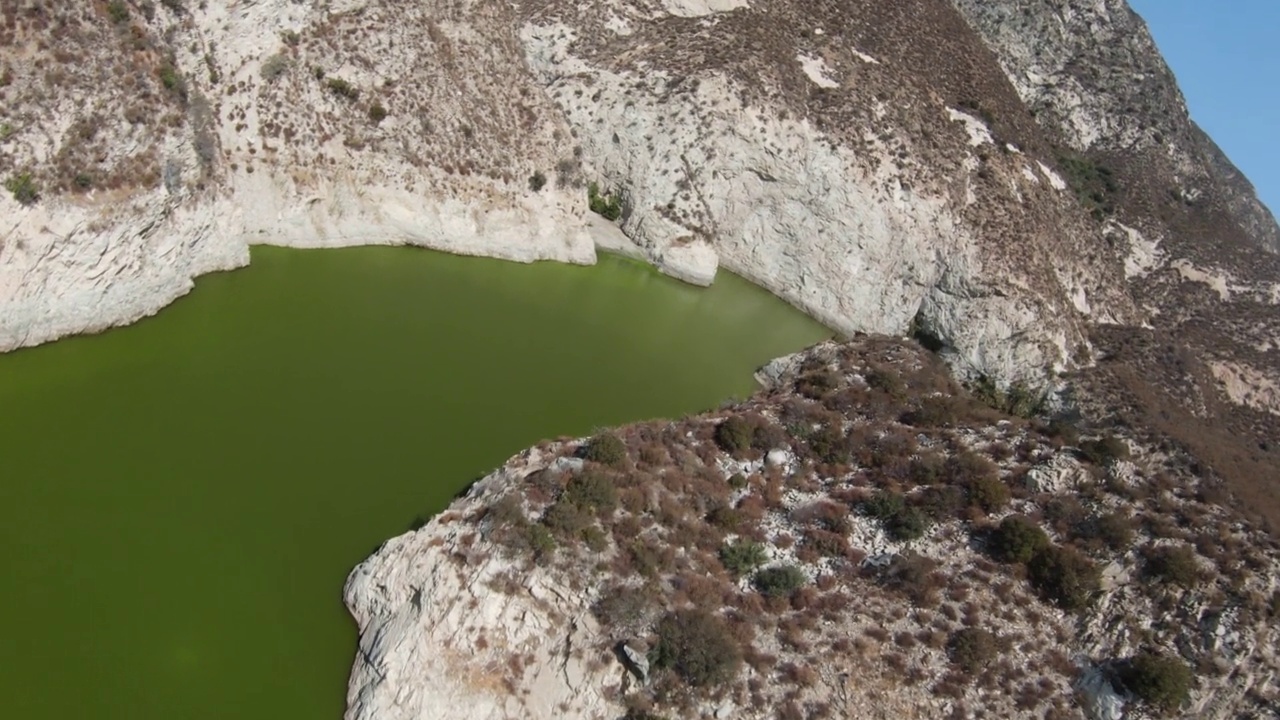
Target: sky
[(1226, 56)]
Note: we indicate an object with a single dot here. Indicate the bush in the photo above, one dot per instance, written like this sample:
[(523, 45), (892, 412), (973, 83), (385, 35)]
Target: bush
[(118, 11), (779, 580), (606, 448), (1094, 185), (698, 646), (377, 113), (24, 189), (900, 521), (913, 575), (1158, 680), (742, 557), (607, 206), (1173, 566), (1065, 577), (972, 649), (815, 385), (173, 81), (342, 88), (989, 493), (566, 518), (1017, 540), (591, 490), (735, 434), (624, 607), (274, 66), (1105, 450), (1114, 529), (537, 181)]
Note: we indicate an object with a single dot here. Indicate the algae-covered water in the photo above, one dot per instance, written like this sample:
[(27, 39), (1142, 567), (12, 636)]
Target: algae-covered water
[(181, 500)]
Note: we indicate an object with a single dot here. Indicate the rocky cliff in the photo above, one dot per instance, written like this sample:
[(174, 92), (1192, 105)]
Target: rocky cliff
[(1017, 184)]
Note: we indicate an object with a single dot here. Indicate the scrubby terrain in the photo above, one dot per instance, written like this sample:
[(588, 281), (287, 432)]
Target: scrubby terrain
[(863, 539), (1016, 185)]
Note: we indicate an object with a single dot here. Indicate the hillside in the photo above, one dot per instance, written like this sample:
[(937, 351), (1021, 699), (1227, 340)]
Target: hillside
[(1017, 186), (861, 539)]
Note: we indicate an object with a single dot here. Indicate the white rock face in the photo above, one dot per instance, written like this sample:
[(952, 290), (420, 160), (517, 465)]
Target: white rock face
[(441, 619)]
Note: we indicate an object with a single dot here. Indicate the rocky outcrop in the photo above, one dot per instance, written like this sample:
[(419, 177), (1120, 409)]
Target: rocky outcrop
[(528, 596)]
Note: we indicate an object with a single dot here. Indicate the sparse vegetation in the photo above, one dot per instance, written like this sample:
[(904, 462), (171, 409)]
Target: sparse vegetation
[(377, 113), (606, 205), (24, 188), (342, 89), (1094, 185), (275, 66), (1173, 565), (1105, 450)]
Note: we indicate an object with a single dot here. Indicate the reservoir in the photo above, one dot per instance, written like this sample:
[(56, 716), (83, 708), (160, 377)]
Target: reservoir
[(182, 499)]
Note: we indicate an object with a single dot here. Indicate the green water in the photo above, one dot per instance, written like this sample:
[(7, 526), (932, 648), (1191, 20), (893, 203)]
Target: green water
[(181, 500)]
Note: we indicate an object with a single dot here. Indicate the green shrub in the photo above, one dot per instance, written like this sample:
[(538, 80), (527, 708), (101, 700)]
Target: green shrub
[(779, 580), (84, 181), (725, 518), (988, 492), (566, 518), (1019, 399), (1094, 185), (539, 540), (1018, 540), (591, 490), (1114, 529), (972, 649), (537, 181), (607, 449), (607, 206), (377, 113), (1160, 681), (735, 434), (698, 646), (173, 81), (24, 188), (342, 88), (742, 557), (118, 11), (1065, 577), (1105, 450), (900, 521), (817, 384), (275, 66), (884, 505), (1173, 565)]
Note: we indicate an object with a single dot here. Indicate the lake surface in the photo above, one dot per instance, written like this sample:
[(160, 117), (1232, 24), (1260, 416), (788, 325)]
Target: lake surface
[(181, 499)]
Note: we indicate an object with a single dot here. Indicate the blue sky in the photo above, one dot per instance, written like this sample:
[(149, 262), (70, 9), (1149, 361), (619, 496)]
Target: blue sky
[(1226, 56)]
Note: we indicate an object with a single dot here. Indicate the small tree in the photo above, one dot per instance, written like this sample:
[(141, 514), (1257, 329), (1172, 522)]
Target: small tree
[(1159, 680), (607, 449), (1017, 540), (698, 646)]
